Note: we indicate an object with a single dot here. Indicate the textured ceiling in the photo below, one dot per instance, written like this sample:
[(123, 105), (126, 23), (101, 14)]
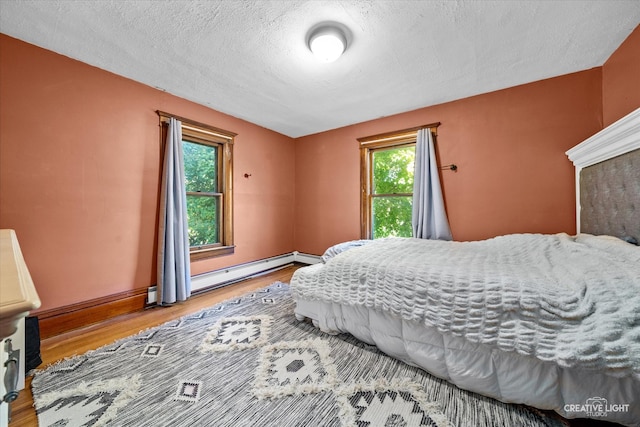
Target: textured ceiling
[(249, 58)]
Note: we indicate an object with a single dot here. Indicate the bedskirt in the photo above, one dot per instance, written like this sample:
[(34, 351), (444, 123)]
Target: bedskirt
[(506, 376)]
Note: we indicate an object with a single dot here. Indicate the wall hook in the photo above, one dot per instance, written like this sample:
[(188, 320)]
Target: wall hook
[(451, 167), (247, 175)]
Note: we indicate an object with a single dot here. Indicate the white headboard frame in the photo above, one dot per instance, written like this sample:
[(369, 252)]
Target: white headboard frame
[(619, 138)]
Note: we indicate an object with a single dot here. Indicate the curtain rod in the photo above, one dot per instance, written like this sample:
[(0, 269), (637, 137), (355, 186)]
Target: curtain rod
[(219, 132), (396, 133)]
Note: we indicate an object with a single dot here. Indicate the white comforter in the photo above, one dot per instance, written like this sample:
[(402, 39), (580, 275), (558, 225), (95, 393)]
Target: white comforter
[(572, 300)]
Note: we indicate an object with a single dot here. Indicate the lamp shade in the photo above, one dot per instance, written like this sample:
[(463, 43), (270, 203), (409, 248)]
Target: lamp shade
[(327, 43)]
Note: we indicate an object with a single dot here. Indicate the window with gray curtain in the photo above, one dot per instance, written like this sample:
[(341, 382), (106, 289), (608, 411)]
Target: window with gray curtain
[(387, 184), (208, 170), (388, 172)]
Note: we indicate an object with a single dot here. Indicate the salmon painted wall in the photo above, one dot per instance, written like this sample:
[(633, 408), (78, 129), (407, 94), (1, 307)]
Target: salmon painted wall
[(620, 81), (80, 168), (509, 146)]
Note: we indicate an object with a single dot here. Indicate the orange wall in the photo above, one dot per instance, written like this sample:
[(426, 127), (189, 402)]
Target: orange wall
[(509, 146), (621, 81), (79, 173)]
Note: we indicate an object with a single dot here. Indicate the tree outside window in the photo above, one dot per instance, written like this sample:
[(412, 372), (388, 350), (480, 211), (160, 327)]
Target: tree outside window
[(201, 171), (392, 191)]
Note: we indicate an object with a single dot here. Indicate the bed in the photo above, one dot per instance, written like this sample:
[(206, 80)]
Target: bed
[(550, 321)]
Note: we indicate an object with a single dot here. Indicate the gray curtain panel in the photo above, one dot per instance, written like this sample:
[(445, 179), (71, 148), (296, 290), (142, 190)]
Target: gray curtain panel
[(174, 270), (429, 218)]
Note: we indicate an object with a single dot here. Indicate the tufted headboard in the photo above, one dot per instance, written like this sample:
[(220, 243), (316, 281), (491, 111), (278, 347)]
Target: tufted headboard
[(608, 180), (610, 197)]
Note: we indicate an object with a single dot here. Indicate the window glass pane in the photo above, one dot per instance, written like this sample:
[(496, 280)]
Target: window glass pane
[(202, 217), (393, 170), (200, 167), (391, 216)]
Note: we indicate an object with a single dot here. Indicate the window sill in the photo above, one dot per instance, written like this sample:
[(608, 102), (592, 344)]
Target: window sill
[(200, 254)]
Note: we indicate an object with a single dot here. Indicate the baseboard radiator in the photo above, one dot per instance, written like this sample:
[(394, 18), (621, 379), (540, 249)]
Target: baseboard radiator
[(64, 319), (225, 276)]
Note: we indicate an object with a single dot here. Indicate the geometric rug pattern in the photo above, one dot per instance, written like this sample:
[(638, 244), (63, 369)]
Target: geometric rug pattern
[(248, 362), (292, 368), (385, 404), (236, 333)]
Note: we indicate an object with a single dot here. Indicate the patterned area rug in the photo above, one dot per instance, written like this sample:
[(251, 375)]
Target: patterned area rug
[(249, 362)]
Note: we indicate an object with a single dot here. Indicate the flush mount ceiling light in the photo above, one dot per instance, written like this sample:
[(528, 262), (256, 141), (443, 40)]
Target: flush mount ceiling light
[(327, 42)]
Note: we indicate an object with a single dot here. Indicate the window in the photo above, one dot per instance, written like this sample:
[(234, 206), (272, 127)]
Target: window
[(392, 191), (208, 165), (387, 166)]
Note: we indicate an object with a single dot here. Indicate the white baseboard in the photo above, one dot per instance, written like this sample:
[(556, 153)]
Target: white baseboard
[(235, 273), (306, 258)]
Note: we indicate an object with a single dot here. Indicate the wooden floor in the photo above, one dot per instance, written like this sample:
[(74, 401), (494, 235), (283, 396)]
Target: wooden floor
[(82, 340), (89, 338)]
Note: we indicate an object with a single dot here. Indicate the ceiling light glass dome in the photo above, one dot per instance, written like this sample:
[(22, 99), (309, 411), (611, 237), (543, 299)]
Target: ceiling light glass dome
[(327, 43)]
